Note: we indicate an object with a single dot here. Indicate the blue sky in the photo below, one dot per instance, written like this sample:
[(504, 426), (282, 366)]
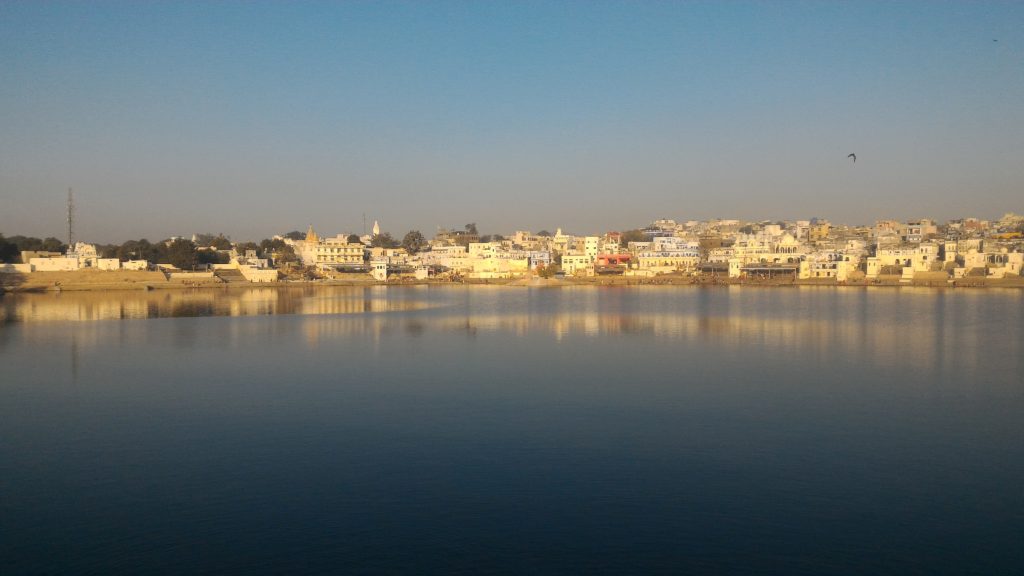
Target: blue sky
[(258, 118)]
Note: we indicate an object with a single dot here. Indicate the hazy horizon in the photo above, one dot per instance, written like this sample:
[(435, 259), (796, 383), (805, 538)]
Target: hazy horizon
[(254, 119)]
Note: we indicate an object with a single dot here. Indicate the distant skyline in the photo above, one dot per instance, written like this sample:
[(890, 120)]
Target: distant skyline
[(256, 118)]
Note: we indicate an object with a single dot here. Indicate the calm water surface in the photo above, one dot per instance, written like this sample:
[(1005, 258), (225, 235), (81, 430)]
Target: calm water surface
[(513, 430)]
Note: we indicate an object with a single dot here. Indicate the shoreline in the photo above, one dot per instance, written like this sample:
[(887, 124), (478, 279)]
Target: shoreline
[(69, 282)]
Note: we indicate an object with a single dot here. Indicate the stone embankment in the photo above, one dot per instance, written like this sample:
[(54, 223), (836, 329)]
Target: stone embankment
[(148, 280)]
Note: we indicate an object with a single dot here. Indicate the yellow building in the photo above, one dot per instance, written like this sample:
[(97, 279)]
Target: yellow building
[(337, 251)]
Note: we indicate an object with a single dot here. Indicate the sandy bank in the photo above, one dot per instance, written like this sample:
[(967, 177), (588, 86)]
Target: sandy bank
[(102, 280)]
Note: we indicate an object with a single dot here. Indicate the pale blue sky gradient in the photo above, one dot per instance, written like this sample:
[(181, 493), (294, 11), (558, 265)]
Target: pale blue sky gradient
[(257, 118)]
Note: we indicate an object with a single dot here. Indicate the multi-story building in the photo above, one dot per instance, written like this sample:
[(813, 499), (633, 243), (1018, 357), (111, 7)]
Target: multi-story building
[(577, 264), (329, 252)]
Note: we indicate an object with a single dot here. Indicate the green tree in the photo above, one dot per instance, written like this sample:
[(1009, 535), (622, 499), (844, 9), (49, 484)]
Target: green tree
[(632, 236), (278, 250), (139, 250), (204, 239), (32, 244), (52, 244), (413, 241), (8, 250), (25, 243), (211, 257), (182, 254), (471, 229), (544, 233), (220, 243), (547, 271), (384, 240), (284, 255), (295, 235), (268, 245), (353, 239), (107, 250), (243, 246)]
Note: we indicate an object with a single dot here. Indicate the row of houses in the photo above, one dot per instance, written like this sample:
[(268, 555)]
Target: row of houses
[(812, 249), (806, 249), (84, 256)]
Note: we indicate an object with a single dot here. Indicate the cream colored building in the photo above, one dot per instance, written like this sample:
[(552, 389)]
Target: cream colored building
[(452, 257), (58, 264), (577, 264), (920, 258), (668, 261), (499, 267), (996, 264), (668, 254), (337, 251), (828, 265), (494, 260), (761, 248), (135, 265)]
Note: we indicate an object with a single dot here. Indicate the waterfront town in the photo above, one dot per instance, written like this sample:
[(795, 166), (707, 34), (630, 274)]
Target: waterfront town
[(962, 252)]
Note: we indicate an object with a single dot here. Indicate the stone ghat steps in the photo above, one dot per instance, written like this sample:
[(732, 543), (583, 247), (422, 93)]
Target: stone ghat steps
[(231, 276)]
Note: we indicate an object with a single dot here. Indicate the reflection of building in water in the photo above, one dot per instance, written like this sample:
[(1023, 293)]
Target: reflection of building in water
[(911, 329), (255, 302), (90, 306)]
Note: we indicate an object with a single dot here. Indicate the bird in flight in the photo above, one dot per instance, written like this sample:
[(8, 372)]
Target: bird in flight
[(854, 156)]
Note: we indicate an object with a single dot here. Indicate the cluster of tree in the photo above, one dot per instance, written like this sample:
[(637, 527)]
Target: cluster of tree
[(276, 249), (8, 250), (187, 254), (470, 235), (414, 241), (11, 248), (548, 271), (220, 241), (180, 252), (632, 236), (384, 240)]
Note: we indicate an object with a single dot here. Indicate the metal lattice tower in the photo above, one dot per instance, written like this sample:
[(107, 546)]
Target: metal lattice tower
[(71, 220)]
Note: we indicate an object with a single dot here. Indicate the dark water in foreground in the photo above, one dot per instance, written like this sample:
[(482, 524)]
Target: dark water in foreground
[(448, 430)]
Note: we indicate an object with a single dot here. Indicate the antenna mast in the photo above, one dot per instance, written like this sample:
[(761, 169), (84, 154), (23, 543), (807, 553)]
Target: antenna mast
[(71, 220)]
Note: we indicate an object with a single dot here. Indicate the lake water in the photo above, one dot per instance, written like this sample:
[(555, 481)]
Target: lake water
[(513, 430)]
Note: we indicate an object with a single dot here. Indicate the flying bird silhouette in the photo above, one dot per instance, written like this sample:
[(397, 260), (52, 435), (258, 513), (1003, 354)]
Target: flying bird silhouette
[(854, 156)]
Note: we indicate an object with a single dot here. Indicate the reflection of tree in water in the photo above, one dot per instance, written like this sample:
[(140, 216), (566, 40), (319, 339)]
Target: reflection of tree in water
[(191, 308), (284, 302), (415, 328), (185, 334), (713, 324), (6, 317), (11, 280), (74, 356), (631, 325)]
